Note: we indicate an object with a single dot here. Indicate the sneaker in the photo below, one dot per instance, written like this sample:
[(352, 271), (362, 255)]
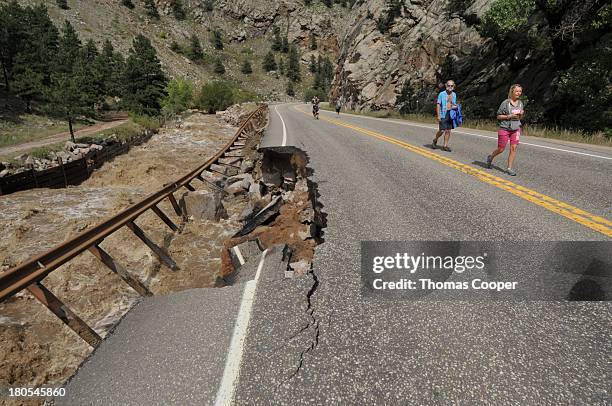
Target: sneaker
[(434, 144), (510, 172), (447, 149), (489, 162)]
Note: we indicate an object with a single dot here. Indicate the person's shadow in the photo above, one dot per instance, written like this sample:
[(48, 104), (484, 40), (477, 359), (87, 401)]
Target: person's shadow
[(484, 166)]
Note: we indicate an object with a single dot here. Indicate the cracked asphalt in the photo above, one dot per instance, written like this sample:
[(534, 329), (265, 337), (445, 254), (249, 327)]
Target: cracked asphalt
[(333, 346)]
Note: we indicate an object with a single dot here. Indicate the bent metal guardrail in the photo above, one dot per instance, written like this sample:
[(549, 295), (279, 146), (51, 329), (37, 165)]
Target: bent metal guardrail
[(29, 275)]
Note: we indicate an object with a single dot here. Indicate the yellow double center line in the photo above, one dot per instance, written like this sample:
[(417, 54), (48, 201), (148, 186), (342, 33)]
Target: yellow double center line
[(585, 218)]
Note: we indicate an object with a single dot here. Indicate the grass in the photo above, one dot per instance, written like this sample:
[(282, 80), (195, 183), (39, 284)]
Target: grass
[(489, 125), (32, 127), (123, 132)]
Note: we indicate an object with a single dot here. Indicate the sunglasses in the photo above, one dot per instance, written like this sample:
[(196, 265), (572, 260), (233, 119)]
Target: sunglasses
[(450, 85)]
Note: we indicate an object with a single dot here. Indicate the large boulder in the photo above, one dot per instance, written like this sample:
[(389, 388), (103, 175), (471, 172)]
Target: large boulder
[(203, 205)]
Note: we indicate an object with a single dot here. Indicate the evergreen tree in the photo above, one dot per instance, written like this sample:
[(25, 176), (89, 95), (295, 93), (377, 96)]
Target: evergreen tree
[(208, 5), (328, 3), (216, 39), (293, 68), (277, 42), (405, 100), (269, 64), (219, 67), (92, 86), (281, 66), (308, 2), (175, 47), (177, 9), (67, 94), (196, 53), (290, 90), (313, 42), (33, 63), (247, 69), (12, 35), (319, 62), (285, 45), (143, 78), (151, 9), (313, 64), (128, 3), (63, 4)]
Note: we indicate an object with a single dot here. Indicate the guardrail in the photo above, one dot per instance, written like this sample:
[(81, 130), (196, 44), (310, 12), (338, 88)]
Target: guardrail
[(29, 275)]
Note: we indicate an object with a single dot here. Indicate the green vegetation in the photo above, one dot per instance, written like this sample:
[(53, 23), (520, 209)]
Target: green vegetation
[(177, 9), (247, 69), (196, 53), (179, 97), (323, 75), (33, 127), (293, 66), (63, 4), (216, 39), (215, 96), (219, 67), (151, 9), (128, 4), (394, 10), (269, 63), (313, 41)]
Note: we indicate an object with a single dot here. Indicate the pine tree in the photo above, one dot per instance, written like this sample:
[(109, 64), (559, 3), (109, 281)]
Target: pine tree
[(269, 64), (63, 4), (285, 45), (67, 94), (219, 67), (290, 90), (293, 69), (144, 80), (319, 62), (93, 81), (208, 5), (13, 33), (175, 47), (216, 39), (328, 3), (313, 64), (196, 53), (247, 69), (281, 66), (128, 3), (277, 42), (307, 2), (177, 9), (33, 64), (151, 9), (313, 42)]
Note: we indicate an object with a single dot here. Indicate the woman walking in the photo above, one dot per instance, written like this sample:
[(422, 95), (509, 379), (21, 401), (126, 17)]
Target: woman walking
[(509, 116)]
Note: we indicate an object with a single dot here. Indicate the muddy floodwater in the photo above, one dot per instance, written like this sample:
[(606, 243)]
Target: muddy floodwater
[(35, 347)]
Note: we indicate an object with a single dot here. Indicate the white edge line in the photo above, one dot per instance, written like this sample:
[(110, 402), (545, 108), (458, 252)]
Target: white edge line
[(239, 255), (477, 135), (284, 143), (227, 387)]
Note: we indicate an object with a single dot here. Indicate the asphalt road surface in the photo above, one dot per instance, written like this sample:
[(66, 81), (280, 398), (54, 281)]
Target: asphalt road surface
[(317, 340)]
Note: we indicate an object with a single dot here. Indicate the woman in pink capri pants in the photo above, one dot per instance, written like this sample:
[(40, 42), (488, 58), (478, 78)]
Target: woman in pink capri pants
[(509, 116)]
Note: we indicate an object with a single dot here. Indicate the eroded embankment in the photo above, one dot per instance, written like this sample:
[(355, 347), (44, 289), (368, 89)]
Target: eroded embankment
[(35, 347)]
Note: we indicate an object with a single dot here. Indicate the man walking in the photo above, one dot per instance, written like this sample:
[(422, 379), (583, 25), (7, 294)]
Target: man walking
[(447, 101)]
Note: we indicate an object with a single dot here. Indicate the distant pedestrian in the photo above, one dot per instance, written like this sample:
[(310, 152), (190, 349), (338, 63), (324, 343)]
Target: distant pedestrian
[(509, 116), (447, 101), (338, 106)]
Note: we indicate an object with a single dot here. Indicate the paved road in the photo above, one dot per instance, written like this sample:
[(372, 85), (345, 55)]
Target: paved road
[(316, 340), (361, 351)]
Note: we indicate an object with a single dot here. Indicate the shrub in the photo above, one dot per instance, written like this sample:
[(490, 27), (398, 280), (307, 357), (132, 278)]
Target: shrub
[(215, 96), (179, 97)]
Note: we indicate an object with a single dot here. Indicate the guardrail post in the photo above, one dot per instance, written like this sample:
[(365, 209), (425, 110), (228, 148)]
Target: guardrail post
[(164, 218), (66, 315), (114, 266), (169, 262)]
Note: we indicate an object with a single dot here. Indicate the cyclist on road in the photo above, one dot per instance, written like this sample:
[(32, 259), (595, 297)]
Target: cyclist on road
[(315, 107), (447, 101), (509, 116)]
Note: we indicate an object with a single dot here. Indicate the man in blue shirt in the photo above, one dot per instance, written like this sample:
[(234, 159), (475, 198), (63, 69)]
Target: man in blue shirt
[(447, 101)]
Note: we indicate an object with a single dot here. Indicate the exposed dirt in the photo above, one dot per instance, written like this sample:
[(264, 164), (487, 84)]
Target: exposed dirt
[(35, 347)]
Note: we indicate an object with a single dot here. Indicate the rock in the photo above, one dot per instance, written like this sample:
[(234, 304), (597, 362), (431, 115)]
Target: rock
[(247, 166), (22, 158), (272, 178), (247, 212), (241, 176), (307, 231), (29, 161), (96, 147), (307, 215), (256, 191), (203, 205), (238, 187), (300, 267), (2, 166), (4, 172), (69, 146)]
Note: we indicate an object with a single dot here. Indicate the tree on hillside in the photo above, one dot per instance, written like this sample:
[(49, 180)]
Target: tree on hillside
[(66, 94), (313, 41), (290, 89), (151, 9), (92, 86), (144, 80), (63, 4), (177, 9), (196, 53), (208, 5), (269, 64), (215, 96), (328, 3), (12, 34), (247, 68), (33, 63), (175, 47), (179, 97), (313, 64), (277, 42), (285, 45), (216, 39), (293, 68), (128, 3), (281, 66), (219, 67)]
